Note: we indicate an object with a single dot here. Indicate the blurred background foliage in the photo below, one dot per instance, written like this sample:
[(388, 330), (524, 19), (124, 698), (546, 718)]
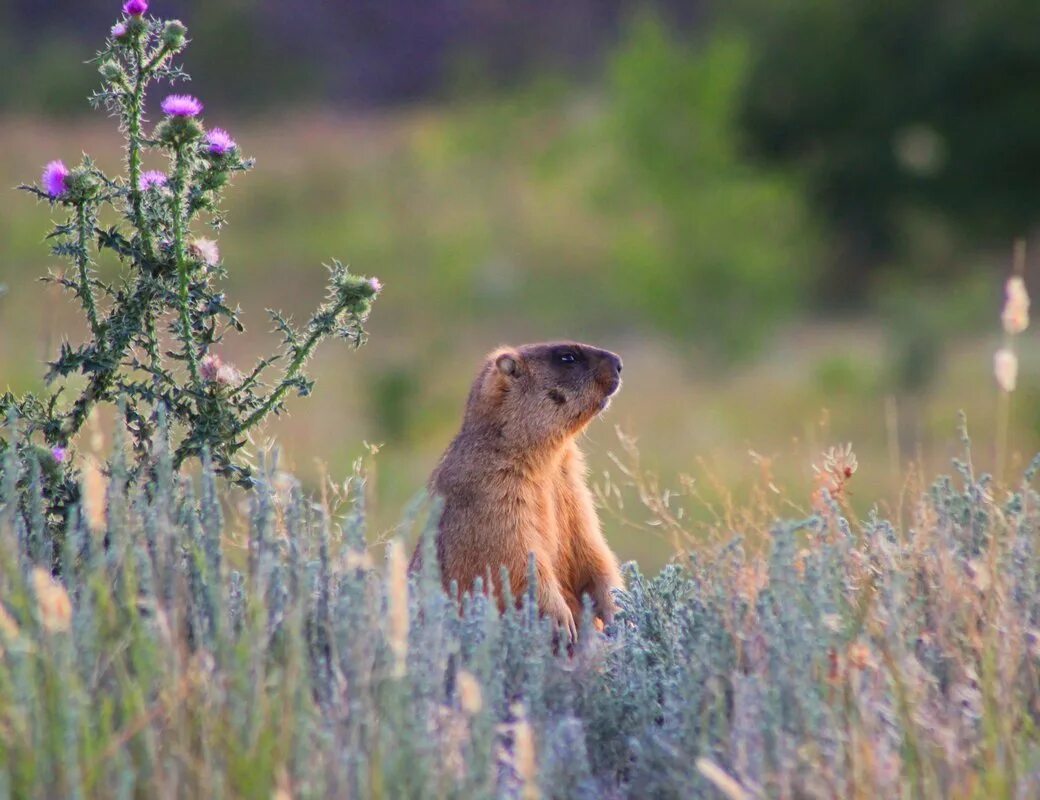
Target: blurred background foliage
[(792, 217)]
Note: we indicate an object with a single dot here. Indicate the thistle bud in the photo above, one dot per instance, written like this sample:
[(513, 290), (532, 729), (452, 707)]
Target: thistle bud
[(174, 131), (135, 27), (82, 184), (112, 73), (173, 34)]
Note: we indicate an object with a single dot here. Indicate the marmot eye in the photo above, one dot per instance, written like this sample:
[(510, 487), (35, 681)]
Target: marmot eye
[(567, 358)]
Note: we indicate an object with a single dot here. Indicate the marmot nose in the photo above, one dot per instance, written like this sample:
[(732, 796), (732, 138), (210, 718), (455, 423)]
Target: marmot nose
[(611, 376)]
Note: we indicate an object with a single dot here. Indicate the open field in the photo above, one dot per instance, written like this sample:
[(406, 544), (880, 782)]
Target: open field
[(483, 244), (809, 231)]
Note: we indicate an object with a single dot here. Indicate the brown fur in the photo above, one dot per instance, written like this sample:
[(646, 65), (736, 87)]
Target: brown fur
[(513, 480)]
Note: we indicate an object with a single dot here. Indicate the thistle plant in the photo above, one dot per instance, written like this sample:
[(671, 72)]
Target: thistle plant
[(155, 334)]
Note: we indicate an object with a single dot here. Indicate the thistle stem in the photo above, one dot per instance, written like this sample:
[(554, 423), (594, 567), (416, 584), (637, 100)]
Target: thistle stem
[(184, 298), (134, 150), (301, 356), (82, 261)]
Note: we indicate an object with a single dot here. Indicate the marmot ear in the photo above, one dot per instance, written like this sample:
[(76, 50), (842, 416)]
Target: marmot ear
[(507, 364)]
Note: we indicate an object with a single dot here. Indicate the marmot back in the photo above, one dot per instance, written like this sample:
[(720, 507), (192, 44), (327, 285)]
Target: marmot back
[(513, 481)]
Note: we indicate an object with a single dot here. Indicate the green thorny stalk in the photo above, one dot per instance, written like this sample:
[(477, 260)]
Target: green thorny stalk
[(133, 120), (183, 298), (83, 236), (168, 289)]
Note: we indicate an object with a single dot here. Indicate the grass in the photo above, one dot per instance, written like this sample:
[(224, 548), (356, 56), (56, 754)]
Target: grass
[(199, 644), (481, 239)]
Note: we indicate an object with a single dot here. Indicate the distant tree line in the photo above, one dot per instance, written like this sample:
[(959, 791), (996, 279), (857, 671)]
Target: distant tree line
[(897, 124), (931, 106), (362, 52)]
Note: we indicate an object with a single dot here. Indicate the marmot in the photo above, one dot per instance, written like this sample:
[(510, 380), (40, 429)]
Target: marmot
[(513, 480)]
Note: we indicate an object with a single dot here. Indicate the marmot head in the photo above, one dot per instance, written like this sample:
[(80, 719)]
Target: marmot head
[(540, 393)]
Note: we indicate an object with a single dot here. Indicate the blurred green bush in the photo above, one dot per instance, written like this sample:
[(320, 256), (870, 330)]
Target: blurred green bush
[(890, 107), (707, 244)]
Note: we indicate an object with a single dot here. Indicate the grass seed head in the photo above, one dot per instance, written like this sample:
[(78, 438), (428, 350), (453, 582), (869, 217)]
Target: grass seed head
[(94, 487), (52, 601), (397, 605)]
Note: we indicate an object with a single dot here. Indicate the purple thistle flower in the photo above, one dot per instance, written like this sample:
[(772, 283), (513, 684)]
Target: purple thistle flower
[(206, 251), (135, 7), (376, 284), (209, 366), (181, 105), (55, 178), (118, 30), (219, 142), (59, 453), (152, 179)]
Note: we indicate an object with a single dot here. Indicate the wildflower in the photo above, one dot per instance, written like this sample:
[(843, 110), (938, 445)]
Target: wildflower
[(1005, 369), (209, 366), (840, 461), (181, 105), (397, 606), (469, 692), (58, 453), (94, 495), (213, 370), (135, 8), (152, 179), (839, 465), (228, 375), (1015, 315), (55, 179), (219, 142), (376, 285), (205, 250), (119, 31), (52, 601), (173, 34)]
